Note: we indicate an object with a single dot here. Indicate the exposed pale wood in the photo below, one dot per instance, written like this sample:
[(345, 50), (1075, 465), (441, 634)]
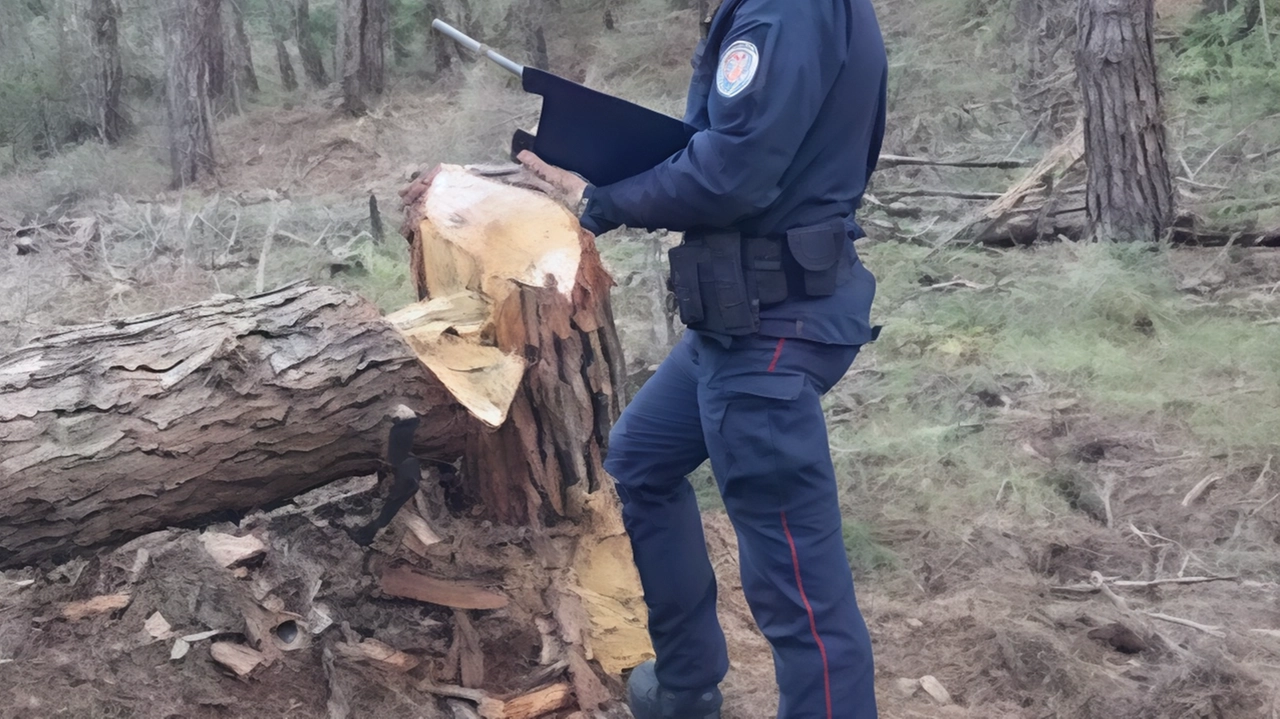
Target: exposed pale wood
[(237, 657), (537, 703), (103, 604), (470, 653), (372, 651), (406, 583), (157, 627), (229, 550), (934, 688)]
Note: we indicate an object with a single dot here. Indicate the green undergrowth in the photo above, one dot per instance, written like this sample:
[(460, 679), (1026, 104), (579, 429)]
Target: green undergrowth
[(920, 427)]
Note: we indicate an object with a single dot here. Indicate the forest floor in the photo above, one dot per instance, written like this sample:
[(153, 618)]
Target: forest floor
[(1030, 418)]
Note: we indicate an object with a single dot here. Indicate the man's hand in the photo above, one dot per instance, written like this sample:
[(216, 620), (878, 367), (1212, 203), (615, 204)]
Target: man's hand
[(566, 182)]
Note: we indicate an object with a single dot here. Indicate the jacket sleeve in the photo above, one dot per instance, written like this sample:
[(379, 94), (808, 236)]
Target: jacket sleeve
[(733, 170)]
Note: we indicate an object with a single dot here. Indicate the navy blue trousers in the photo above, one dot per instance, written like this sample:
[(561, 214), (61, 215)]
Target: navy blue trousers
[(754, 409)]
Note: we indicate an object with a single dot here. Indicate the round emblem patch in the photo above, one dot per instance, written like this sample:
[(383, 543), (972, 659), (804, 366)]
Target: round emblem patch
[(738, 67)]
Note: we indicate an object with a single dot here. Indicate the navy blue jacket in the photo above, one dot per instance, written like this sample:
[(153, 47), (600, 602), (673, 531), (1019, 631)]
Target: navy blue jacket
[(789, 100)]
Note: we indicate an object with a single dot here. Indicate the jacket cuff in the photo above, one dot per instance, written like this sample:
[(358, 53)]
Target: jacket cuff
[(598, 211)]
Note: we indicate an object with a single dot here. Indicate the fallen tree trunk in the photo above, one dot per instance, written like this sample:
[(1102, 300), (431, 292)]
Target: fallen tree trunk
[(112, 430), (115, 429)]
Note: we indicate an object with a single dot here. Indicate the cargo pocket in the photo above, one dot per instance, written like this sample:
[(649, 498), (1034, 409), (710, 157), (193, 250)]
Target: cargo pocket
[(818, 250), (754, 414)]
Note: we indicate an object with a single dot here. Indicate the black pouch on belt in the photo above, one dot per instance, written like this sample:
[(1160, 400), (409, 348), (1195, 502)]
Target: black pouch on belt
[(764, 263), (711, 286), (685, 261), (818, 250)]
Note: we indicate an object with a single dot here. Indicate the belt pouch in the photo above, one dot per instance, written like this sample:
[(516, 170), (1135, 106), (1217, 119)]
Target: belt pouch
[(764, 262), (817, 250), (685, 283), (725, 294)]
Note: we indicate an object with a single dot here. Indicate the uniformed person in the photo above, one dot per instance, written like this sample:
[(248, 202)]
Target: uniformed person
[(789, 100)]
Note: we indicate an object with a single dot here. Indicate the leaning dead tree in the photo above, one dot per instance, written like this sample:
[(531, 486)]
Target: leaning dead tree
[(363, 30), (108, 72), (1129, 190), (193, 77), (511, 369)]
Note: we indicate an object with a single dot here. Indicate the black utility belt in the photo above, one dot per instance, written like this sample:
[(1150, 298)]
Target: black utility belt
[(722, 279)]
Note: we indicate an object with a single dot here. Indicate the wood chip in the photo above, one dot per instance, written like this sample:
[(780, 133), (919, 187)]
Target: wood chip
[(375, 652), (470, 653), (237, 657), (408, 584), (906, 687), (935, 689), (158, 627), (201, 636), (229, 550), (180, 649), (105, 604), (536, 703)]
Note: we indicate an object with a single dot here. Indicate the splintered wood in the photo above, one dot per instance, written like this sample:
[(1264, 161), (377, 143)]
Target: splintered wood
[(408, 584)]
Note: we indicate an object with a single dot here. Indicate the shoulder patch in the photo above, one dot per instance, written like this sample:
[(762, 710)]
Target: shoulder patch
[(738, 67)]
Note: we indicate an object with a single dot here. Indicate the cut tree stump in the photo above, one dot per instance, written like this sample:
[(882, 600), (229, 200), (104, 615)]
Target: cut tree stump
[(511, 363)]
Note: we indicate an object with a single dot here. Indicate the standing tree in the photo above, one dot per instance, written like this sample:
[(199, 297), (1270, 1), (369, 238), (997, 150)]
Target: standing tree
[(437, 46), (362, 33), (312, 62), (239, 50), (1129, 189), (108, 75), (193, 54), (279, 32)]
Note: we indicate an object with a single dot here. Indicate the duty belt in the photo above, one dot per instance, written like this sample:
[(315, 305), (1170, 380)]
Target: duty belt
[(722, 279)]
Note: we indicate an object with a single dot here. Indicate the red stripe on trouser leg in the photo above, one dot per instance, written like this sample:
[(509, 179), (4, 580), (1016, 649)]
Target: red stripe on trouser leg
[(777, 353), (813, 624)]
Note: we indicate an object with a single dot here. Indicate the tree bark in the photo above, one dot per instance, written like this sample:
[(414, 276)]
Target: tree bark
[(193, 55), (239, 49), (363, 34), (312, 62), (437, 46), (1129, 191), (288, 77), (115, 429), (104, 20)]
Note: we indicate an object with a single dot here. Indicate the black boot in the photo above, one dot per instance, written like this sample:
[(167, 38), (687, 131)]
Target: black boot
[(648, 700)]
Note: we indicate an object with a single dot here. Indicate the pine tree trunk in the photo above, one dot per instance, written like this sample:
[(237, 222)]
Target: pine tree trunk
[(312, 62), (193, 55), (1129, 189), (437, 46), (240, 50), (363, 33), (287, 76), (104, 20)]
